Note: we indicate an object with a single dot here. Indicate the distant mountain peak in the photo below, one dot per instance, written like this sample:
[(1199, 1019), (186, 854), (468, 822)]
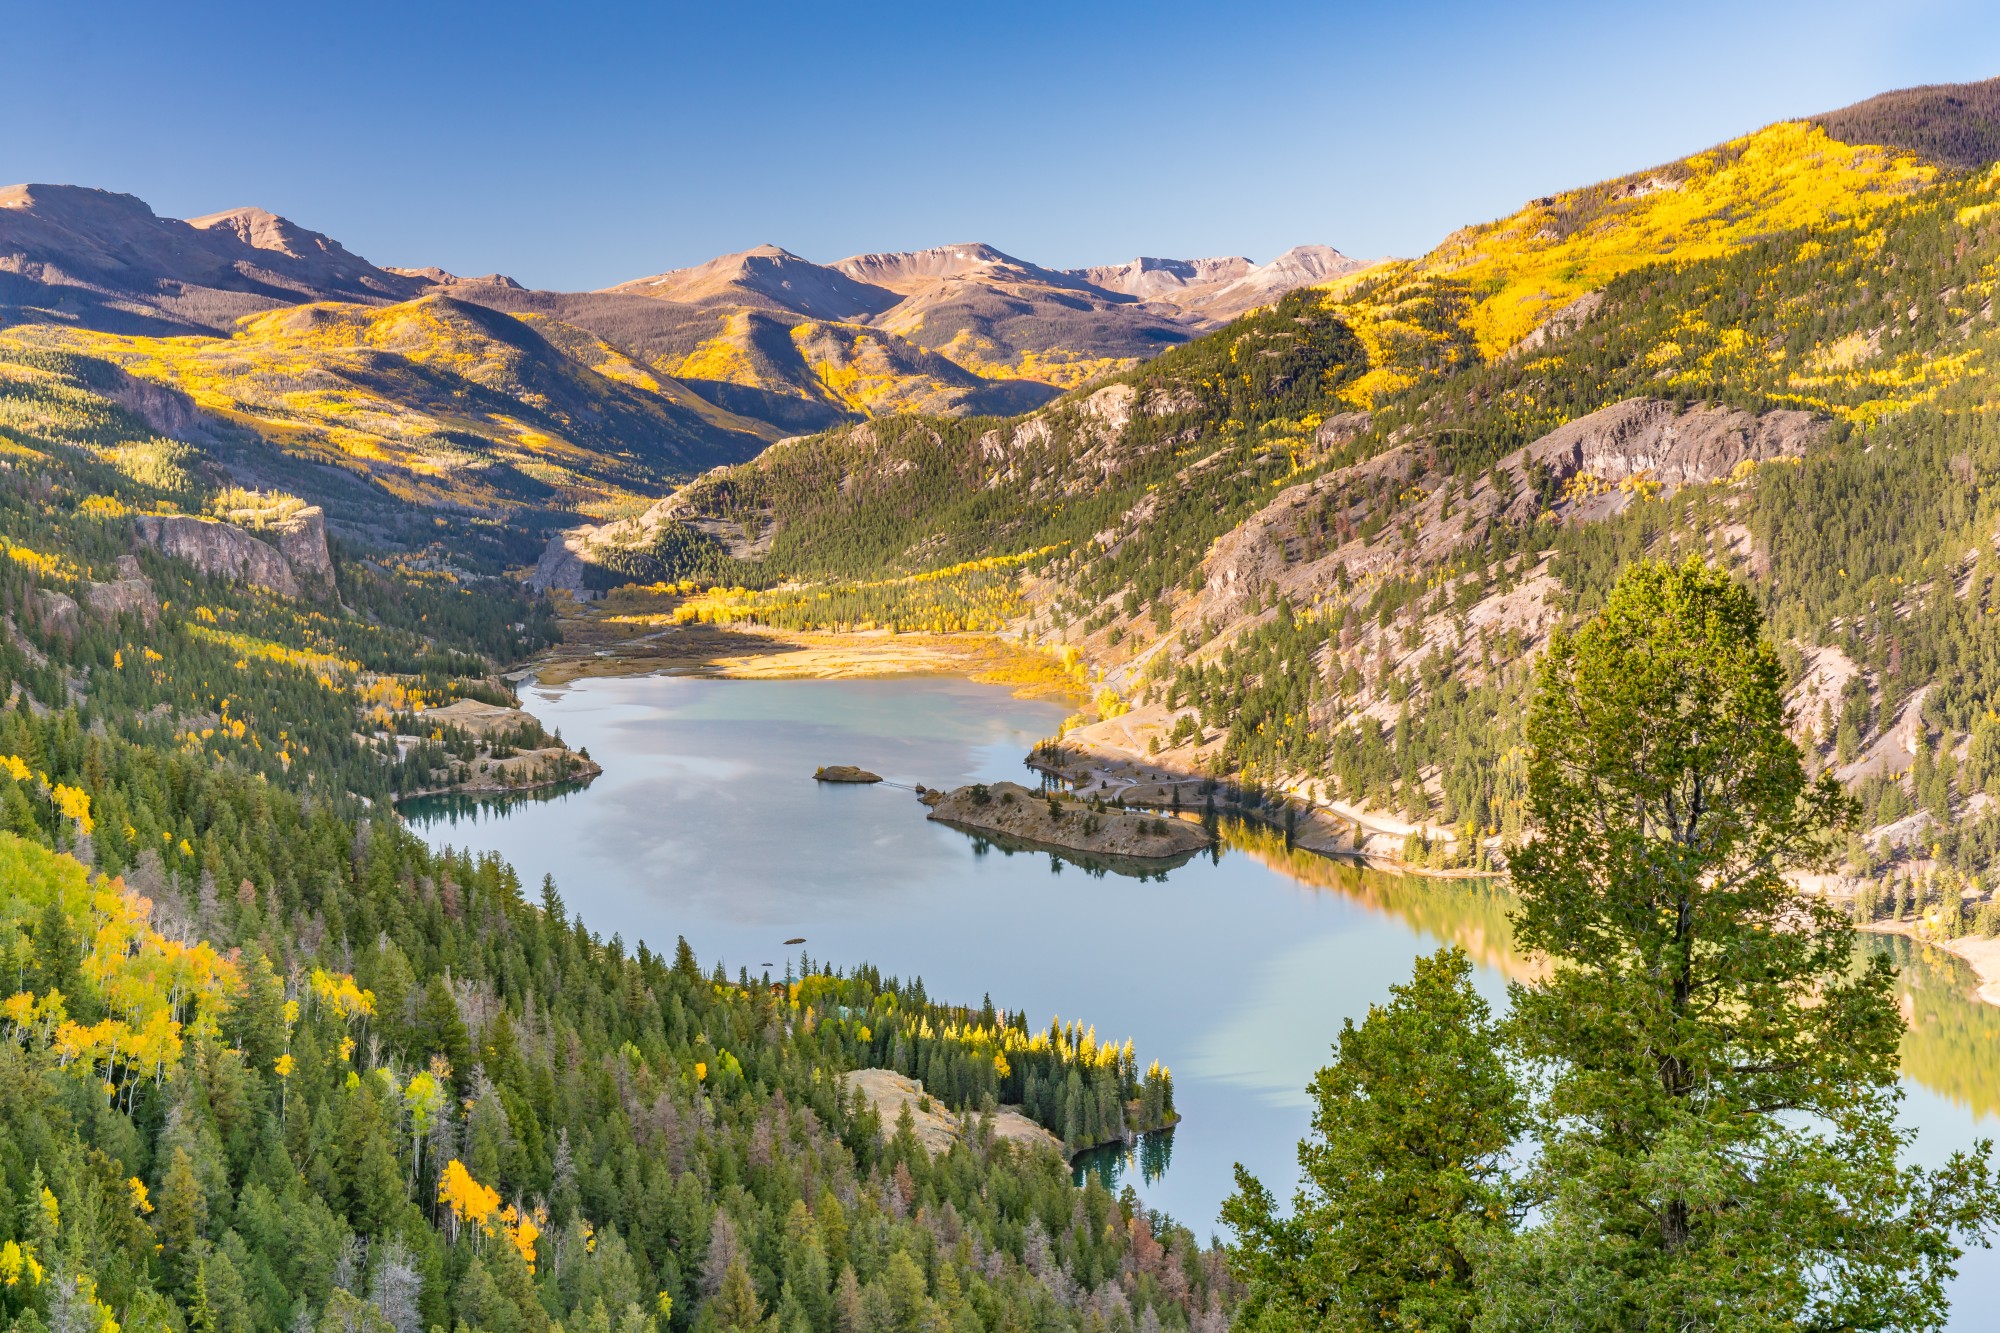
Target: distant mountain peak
[(261, 229), (1224, 286), (905, 270), (431, 273), (107, 260), (767, 276)]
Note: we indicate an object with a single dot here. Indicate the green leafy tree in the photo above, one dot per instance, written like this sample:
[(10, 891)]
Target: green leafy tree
[(1403, 1171), (1718, 1146)]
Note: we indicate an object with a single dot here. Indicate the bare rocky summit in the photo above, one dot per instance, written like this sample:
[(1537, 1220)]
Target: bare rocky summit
[(106, 260)]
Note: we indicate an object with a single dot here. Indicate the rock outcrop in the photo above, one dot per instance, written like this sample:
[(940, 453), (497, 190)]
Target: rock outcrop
[(1011, 809), (301, 539), (127, 596), (937, 1129), (290, 558), (1645, 436), (1584, 471)]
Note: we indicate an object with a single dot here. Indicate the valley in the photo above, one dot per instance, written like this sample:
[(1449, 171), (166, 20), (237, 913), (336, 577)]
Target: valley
[(1325, 577), (1580, 638)]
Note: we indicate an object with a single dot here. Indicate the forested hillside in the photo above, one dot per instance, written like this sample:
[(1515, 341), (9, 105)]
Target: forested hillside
[(1318, 550), (268, 1062)]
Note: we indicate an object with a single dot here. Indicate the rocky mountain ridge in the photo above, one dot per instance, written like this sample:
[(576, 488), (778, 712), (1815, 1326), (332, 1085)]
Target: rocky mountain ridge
[(104, 260), (759, 344)]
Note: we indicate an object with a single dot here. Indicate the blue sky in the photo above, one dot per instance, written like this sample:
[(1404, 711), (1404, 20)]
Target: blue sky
[(575, 146)]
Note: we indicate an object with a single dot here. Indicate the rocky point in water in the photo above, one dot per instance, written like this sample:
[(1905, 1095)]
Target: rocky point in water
[(1060, 820)]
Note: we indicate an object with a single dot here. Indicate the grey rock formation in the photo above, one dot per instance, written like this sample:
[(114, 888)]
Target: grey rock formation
[(294, 561), (1645, 435), (127, 596), (301, 538)]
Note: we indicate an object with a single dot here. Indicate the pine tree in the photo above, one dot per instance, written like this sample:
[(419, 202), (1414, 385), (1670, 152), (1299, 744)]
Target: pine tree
[(180, 1216), (736, 1307), (1403, 1172), (1718, 1148)]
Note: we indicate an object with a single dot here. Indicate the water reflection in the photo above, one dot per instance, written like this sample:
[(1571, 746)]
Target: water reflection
[(1095, 864), (1953, 1036), (1471, 912), (1142, 1161), (449, 809)]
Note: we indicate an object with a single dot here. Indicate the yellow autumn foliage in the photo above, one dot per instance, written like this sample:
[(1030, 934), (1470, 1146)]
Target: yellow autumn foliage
[(1520, 269), (156, 992)]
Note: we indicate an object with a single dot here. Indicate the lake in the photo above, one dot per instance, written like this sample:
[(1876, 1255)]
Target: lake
[(1235, 970)]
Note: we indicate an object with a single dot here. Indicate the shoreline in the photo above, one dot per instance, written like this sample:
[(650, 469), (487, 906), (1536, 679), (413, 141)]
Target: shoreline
[(599, 645), (741, 652), (1977, 952), (595, 646)]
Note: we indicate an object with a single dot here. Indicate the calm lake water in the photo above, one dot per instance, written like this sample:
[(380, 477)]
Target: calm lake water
[(1236, 971)]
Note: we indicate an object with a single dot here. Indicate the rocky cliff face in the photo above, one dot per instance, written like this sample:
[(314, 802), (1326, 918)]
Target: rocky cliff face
[(1646, 437), (301, 539), (293, 561), (131, 595), (1585, 471), (127, 596)]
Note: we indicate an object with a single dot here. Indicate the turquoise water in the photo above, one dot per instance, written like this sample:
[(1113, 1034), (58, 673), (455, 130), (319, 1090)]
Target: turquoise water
[(1234, 970)]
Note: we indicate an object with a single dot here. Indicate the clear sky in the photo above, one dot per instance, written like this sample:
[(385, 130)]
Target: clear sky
[(576, 145)]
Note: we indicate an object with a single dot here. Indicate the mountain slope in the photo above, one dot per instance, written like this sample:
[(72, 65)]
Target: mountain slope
[(105, 260), (1956, 125), (766, 278), (1777, 353), (276, 349), (1486, 288), (438, 402)]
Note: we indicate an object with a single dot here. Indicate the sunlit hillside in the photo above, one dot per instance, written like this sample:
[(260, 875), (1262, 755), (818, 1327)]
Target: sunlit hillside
[(1486, 288), (845, 370), (1319, 549), (439, 402)]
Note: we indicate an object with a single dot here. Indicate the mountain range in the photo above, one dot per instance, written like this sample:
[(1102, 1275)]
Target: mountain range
[(687, 369), (953, 329)]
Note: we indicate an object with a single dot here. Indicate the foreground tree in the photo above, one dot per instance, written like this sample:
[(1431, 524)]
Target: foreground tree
[(1718, 1145), (1402, 1172)]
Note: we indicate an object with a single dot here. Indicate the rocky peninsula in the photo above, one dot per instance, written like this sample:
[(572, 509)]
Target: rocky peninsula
[(1057, 819)]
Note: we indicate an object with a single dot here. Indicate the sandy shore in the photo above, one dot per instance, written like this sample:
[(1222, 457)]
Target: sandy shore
[(600, 645)]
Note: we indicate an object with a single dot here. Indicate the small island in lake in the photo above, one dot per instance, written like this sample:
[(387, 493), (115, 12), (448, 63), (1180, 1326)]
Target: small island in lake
[(1060, 820), (844, 773)]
